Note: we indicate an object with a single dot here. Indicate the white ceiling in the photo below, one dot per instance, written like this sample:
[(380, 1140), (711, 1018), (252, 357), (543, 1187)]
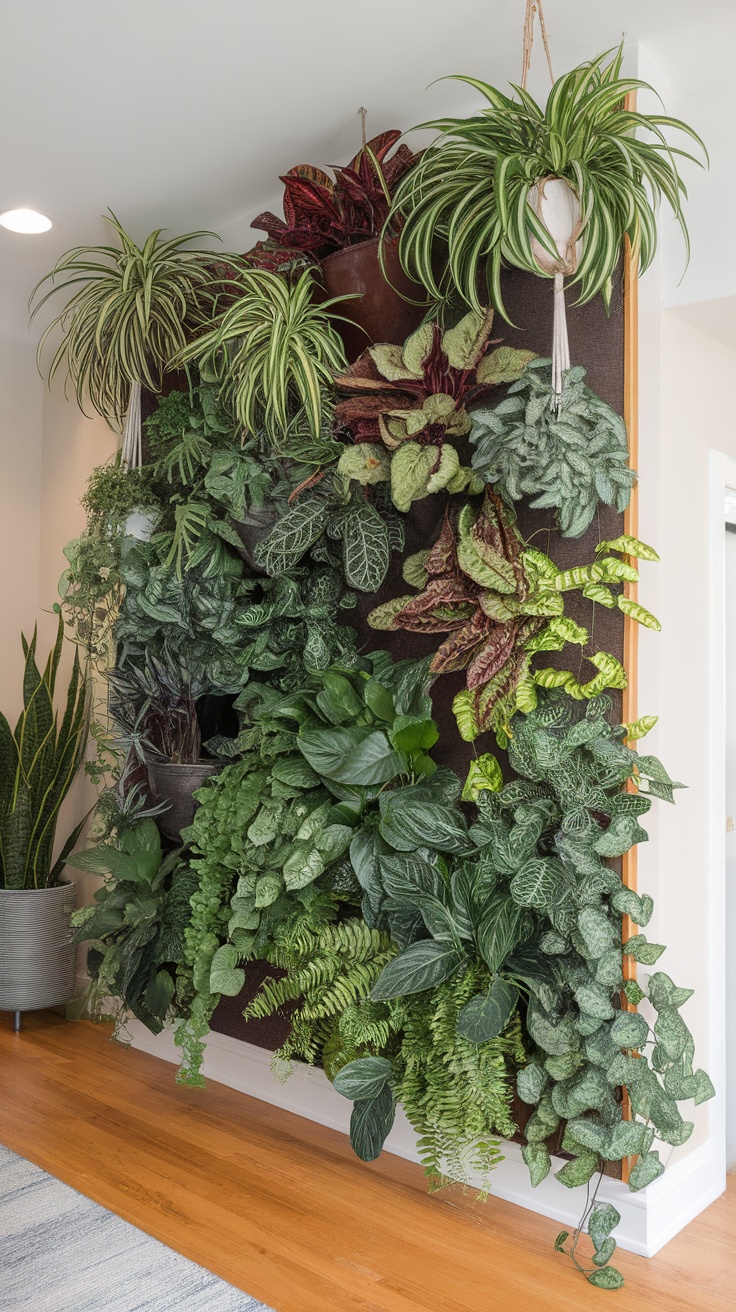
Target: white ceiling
[(182, 113)]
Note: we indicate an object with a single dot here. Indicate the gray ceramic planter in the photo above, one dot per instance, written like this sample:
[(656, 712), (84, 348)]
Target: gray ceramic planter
[(37, 955), (176, 785)]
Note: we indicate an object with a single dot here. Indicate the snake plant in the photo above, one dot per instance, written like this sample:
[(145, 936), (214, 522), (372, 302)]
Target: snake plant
[(38, 762), (477, 187), (127, 317)]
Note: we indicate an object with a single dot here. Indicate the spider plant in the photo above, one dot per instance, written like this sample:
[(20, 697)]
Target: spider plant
[(274, 350), (478, 189), (129, 314)]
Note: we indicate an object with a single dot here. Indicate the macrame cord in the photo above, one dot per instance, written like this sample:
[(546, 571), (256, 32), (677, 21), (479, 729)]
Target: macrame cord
[(568, 260), (131, 453)]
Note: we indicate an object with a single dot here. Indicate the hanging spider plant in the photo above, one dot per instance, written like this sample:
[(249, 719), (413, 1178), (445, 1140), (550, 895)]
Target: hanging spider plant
[(133, 309), (553, 191), (275, 350)]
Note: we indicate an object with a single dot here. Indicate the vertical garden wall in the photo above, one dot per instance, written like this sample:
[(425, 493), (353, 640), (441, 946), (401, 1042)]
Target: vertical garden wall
[(358, 616)]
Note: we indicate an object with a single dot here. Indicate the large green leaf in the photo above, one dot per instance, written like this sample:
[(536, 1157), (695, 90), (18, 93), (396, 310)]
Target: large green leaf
[(364, 1078), (409, 824), (365, 545), (422, 966), (358, 756), (370, 1124), (487, 1016)]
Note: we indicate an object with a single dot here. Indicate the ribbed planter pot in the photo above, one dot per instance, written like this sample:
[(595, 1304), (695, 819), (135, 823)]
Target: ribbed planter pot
[(176, 784), (382, 314), (37, 955)]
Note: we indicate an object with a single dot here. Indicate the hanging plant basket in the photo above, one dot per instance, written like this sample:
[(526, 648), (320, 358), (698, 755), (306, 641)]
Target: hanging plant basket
[(176, 785), (383, 313)]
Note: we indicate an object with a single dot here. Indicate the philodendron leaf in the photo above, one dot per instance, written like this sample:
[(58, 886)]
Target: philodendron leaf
[(410, 734), (358, 756), (647, 1169), (225, 976), (629, 1030), (537, 1159), (642, 951), (579, 1170), (367, 462), (607, 1278), (602, 1220), (365, 548), (364, 1078), (411, 469), (422, 966), (486, 1016), (370, 1124), (531, 1082)]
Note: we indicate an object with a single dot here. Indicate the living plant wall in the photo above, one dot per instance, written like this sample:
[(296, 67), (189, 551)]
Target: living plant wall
[(356, 587)]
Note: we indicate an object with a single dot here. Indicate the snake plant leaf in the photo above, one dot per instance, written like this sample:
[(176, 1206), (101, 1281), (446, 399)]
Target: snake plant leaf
[(370, 1124), (486, 1016), (364, 1078), (421, 966)]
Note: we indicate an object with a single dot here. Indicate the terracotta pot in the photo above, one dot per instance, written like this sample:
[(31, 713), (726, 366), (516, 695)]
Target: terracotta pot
[(176, 784), (382, 314)]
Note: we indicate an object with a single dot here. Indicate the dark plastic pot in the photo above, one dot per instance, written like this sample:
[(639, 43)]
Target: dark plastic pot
[(381, 314), (37, 955), (176, 784)]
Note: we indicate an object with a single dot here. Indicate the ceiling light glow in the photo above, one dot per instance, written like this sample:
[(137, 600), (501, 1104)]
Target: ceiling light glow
[(25, 221)]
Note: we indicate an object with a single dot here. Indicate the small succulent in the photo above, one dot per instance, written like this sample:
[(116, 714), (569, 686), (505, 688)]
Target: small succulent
[(568, 456)]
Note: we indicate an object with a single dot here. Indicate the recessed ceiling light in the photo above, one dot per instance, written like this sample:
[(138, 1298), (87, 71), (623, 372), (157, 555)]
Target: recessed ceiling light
[(25, 221)]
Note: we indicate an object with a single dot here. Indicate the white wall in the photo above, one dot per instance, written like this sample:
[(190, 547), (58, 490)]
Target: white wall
[(731, 849), (686, 409), (20, 510)]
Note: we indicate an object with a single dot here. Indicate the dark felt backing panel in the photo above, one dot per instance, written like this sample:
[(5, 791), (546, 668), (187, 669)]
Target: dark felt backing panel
[(597, 342)]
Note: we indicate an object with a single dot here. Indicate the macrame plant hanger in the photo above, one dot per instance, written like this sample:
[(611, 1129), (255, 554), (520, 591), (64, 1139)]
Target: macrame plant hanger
[(558, 208), (131, 451)]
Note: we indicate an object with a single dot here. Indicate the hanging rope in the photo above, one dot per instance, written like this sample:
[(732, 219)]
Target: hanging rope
[(534, 7)]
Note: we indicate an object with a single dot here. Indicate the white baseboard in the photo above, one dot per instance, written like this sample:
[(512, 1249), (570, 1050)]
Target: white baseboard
[(649, 1219)]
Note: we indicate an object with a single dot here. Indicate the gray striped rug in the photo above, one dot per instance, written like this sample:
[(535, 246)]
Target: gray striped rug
[(60, 1252)]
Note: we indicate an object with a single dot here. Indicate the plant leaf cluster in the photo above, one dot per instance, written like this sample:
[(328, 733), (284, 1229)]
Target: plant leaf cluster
[(411, 399), (133, 311), (322, 215), (500, 605), (470, 192), (136, 925), (570, 453), (39, 759)]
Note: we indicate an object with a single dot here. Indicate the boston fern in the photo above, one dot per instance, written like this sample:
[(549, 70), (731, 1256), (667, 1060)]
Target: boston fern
[(477, 188), (569, 454)]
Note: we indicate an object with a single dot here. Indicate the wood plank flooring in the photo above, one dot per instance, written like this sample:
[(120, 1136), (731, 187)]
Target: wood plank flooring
[(280, 1207)]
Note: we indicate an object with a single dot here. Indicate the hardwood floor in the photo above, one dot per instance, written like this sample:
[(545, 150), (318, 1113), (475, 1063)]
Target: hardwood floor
[(279, 1206)]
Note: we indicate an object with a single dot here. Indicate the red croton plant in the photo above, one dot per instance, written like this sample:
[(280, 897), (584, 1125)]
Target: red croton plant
[(322, 215)]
